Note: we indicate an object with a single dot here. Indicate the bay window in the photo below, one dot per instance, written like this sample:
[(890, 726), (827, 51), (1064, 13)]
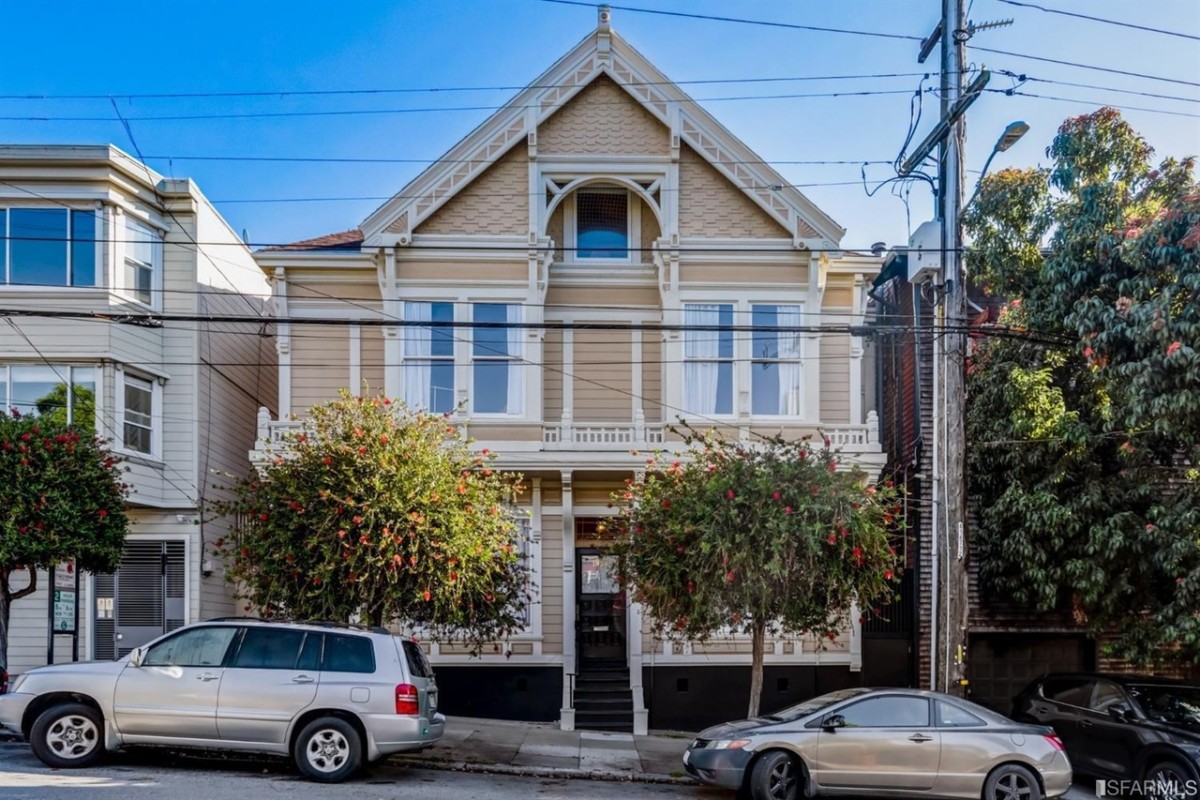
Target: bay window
[(65, 394), (137, 417), (497, 377), (775, 361), (708, 358), (48, 247), (429, 358)]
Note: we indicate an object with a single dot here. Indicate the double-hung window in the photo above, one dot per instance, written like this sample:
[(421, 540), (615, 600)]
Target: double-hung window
[(708, 358), (775, 360), (138, 417), (429, 358), (47, 247), (143, 254), (497, 377), (64, 394)]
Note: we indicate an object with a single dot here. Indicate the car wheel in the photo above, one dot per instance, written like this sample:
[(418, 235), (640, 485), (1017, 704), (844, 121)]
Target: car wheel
[(328, 750), (776, 776), (68, 735), (1170, 773), (1012, 782)]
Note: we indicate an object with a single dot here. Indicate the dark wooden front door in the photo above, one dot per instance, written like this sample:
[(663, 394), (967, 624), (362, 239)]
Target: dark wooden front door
[(601, 608)]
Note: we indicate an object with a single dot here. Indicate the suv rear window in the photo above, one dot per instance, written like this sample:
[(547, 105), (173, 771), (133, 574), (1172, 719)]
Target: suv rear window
[(348, 654), (418, 665)]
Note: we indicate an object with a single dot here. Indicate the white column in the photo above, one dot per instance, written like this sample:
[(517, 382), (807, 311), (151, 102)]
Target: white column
[(355, 357), (856, 353), (393, 344), (567, 712), (567, 436), (855, 638), (283, 345)]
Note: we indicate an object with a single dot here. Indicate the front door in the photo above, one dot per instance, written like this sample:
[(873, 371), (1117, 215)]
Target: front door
[(601, 616)]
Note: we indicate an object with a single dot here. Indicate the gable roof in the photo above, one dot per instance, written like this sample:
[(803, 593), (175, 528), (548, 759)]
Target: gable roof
[(602, 52)]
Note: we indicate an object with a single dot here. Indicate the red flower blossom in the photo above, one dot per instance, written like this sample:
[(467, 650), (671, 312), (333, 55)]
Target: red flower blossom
[(729, 577), (832, 539), (1173, 348), (383, 438), (428, 595), (776, 496), (666, 503), (888, 574), (729, 494), (327, 460), (787, 509), (341, 534), (102, 513), (358, 520)]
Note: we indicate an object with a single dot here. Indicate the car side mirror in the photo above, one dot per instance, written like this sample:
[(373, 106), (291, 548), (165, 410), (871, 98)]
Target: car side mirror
[(834, 722), (1120, 712), (136, 655)]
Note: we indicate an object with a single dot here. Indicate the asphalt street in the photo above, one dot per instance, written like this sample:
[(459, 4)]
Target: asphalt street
[(159, 775)]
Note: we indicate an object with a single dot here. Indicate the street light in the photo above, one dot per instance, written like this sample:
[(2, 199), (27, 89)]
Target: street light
[(1012, 134)]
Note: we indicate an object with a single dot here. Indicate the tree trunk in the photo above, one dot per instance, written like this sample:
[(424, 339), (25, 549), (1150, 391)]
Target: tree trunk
[(6, 598), (758, 637)]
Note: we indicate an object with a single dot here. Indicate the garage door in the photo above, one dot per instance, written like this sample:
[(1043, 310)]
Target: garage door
[(1001, 665)]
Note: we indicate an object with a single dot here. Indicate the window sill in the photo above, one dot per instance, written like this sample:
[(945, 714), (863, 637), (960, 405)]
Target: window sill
[(134, 457)]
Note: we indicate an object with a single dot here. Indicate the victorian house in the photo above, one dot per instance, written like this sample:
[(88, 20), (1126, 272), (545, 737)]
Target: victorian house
[(93, 235), (636, 243)]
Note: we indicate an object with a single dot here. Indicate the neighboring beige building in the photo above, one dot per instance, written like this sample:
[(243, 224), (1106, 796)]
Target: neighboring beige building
[(92, 229), (601, 195)]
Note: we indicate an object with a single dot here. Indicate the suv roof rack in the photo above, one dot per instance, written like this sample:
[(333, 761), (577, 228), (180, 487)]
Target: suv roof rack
[(315, 622)]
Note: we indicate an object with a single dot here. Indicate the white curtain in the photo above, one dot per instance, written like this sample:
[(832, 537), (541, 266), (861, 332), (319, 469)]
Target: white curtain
[(516, 374), (700, 352), (788, 343), (418, 346)]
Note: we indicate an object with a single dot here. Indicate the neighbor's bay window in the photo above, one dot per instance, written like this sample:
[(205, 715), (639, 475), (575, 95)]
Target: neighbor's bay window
[(48, 247), (138, 414), (143, 257), (708, 358), (775, 360), (497, 377), (65, 394), (429, 358)]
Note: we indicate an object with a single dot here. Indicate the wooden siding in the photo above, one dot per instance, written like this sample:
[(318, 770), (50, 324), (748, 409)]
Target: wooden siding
[(835, 378), (594, 296), (495, 203), (551, 589), (552, 377), (320, 364), (373, 366), (652, 378), (795, 274), (603, 119), (709, 205), (602, 380)]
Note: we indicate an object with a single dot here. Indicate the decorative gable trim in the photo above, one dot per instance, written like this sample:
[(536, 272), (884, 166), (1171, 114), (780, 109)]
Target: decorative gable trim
[(605, 53)]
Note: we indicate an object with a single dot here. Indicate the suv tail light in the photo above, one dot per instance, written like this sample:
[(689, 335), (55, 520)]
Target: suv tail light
[(1053, 739), (407, 701), (3, 681)]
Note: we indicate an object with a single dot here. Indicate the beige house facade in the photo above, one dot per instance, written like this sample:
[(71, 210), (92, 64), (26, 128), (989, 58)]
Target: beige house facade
[(90, 229), (623, 246)]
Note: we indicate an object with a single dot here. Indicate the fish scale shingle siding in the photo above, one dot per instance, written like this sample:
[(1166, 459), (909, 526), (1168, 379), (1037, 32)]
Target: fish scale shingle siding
[(494, 204), (601, 120), (709, 205)]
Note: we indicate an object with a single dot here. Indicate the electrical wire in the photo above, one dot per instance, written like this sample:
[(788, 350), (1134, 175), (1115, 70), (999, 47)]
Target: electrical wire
[(1090, 18)]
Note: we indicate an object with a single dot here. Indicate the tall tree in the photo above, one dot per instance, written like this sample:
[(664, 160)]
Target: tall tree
[(384, 513), (61, 498), (1085, 453), (758, 538)]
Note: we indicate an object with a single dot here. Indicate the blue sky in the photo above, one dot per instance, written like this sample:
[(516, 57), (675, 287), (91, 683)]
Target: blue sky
[(73, 47)]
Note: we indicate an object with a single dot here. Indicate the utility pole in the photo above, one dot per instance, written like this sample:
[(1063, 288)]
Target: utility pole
[(954, 587)]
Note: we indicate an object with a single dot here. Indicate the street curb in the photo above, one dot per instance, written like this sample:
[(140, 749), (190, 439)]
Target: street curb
[(565, 773)]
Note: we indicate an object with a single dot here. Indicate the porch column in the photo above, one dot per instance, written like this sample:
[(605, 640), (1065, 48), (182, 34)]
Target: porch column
[(283, 345), (856, 353), (567, 712), (393, 343)]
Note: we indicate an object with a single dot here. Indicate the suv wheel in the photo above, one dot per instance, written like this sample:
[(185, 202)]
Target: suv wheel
[(68, 735), (328, 750), (1170, 778)]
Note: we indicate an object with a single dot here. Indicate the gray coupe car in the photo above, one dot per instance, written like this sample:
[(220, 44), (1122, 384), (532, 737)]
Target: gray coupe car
[(882, 743)]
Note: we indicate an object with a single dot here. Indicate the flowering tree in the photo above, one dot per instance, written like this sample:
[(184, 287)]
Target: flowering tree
[(61, 498), (1085, 457), (758, 537), (384, 513)]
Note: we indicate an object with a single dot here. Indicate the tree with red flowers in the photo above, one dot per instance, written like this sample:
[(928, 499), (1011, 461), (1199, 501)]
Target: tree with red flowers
[(376, 511), (762, 537), (61, 498)]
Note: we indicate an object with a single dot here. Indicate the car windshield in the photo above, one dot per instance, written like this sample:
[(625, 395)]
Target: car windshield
[(1175, 705), (815, 704)]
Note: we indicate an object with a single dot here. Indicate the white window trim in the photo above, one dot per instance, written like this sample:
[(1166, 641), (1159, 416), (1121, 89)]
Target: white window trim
[(156, 420), (156, 265), (633, 212), (97, 252)]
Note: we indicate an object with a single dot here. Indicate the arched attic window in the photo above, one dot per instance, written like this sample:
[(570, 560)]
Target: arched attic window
[(602, 223)]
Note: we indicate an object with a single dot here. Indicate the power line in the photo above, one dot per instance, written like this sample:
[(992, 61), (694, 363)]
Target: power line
[(1122, 107), (341, 160), (1078, 65), (1090, 18), (1032, 79), (284, 93), (354, 112), (766, 23)]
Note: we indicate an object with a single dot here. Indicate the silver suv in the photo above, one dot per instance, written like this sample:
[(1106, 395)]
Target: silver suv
[(333, 696)]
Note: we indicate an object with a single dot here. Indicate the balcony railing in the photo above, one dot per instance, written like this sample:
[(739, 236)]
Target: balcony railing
[(601, 437)]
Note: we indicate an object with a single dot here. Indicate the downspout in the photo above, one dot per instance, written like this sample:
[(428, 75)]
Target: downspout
[(934, 508)]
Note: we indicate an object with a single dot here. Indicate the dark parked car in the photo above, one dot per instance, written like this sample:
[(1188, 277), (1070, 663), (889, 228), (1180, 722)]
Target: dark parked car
[(1120, 726)]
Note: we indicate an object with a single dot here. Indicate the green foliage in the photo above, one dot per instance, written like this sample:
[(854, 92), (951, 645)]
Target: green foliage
[(61, 498), (754, 537), (383, 512), (1083, 459)]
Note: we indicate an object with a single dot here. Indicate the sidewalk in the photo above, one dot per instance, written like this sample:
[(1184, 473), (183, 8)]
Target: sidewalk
[(531, 748)]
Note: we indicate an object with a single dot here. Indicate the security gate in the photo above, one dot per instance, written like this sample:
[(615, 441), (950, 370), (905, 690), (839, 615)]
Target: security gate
[(143, 599)]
